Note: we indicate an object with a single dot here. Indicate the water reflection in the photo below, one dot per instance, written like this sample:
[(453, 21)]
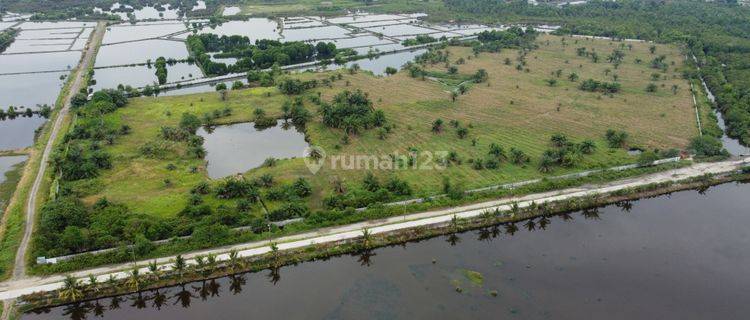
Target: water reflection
[(663, 255), (240, 147)]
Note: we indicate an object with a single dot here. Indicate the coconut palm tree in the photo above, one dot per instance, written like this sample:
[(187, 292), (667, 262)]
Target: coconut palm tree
[(587, 146), (153, 268), (274, 254), (134, 280), (234, 261), (180, 265), (559, 140), (366, 237), (93, 283), (71, 290), (437, 125)]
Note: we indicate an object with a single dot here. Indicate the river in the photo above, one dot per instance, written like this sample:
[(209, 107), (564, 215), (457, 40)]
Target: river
[(678, 256)]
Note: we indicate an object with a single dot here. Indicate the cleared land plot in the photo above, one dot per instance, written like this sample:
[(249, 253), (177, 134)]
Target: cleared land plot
[(517, 109)]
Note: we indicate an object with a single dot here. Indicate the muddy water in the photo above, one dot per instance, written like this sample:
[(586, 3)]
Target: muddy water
[(679, 256)]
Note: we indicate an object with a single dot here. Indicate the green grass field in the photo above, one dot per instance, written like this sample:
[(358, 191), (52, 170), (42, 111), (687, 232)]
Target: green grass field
[(514, 109)]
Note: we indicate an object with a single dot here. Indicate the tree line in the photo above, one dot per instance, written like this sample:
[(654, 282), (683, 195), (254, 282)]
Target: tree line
[(262, 54)]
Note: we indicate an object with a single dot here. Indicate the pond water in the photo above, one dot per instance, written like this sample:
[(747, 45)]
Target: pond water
[(237, 148), (678, 256), (379, 64), (401, 29), (365, 18), (199, 5), (360, 41), (39, 62), (253, 28), (316, 33), (6, 164), (56, 25), (19, 132), (139, 76), (30, 89), (20, 46), (139, 52), (145, 12), (230, 11), (123, 33), (6, 25)]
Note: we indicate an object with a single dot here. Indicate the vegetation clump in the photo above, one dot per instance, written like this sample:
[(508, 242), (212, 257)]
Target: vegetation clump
[(352, 112)]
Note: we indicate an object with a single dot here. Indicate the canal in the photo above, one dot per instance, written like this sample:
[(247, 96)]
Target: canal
[(677, 256)]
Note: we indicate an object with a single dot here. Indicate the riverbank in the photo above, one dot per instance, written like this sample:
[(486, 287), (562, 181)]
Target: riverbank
[(398, 229)]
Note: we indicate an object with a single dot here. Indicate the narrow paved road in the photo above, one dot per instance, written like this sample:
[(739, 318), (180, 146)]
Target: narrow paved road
[(15, 288), (19, 269)]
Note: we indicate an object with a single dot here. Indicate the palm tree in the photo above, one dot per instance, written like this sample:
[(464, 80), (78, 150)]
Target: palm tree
[(153, 268), (274, 253), (180, 265), (93, 283), (573, 77), (437, 125), (366, 237), (559, 140), (234, 261), (200, 264), (134, 281), (546, 164), (454, 223), (71, 290), (588, 146)]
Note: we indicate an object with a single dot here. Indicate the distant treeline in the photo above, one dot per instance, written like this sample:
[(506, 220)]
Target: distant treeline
[(66, 9)]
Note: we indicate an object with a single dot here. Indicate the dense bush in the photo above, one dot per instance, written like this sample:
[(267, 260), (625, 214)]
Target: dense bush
[(351, 111)]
